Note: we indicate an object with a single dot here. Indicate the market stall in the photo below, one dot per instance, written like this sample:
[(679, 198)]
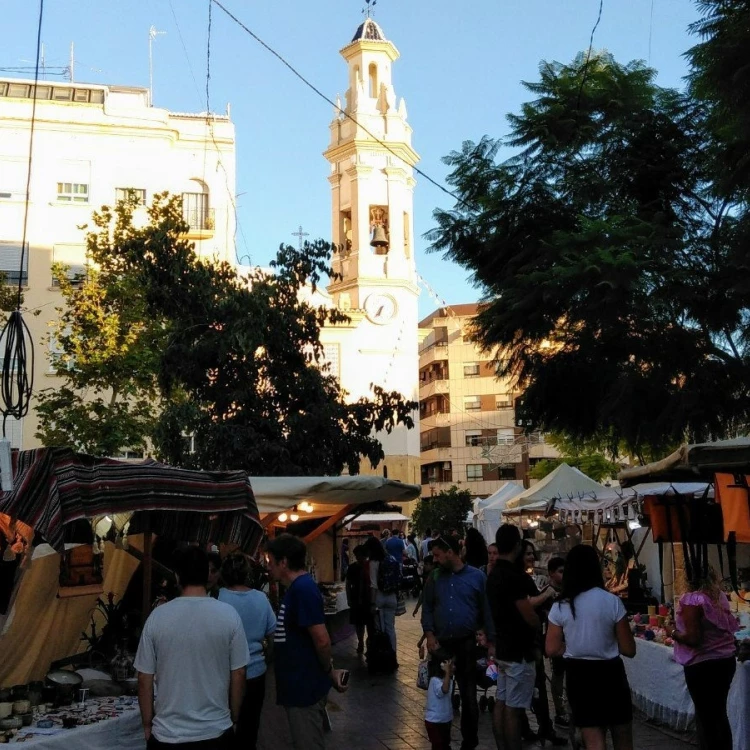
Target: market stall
[(657, 685), (60, 497), (488, 513), (692, 527)]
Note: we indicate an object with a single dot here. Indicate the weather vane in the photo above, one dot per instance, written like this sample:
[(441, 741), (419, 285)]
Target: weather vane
[(370, 9)]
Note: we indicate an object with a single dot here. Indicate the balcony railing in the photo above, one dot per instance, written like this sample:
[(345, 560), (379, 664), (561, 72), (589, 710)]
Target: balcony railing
[(200, 219)]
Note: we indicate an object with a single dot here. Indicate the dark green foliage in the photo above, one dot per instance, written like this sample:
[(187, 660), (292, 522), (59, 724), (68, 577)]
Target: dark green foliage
[(445, 511), (236, 363), (605, 259)]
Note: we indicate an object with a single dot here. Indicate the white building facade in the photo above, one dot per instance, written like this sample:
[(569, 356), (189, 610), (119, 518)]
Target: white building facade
[(93, 144)]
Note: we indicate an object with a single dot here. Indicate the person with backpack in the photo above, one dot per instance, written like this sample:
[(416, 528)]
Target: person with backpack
[(385, 580)]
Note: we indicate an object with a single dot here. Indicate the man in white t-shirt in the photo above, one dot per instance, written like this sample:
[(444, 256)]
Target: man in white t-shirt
[(195, 649)]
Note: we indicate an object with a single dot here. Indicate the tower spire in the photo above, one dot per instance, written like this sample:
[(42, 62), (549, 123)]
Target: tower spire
[(369, 10)]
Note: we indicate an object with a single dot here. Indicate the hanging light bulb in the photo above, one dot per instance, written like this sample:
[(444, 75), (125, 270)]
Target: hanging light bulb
[(294, 517), (309, 508), (283, 517)]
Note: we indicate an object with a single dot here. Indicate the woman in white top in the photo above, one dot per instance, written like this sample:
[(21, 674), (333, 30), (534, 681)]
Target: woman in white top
[(588, 626)]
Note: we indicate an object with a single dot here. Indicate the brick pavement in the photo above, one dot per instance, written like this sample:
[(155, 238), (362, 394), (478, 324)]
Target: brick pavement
[(387, 712)]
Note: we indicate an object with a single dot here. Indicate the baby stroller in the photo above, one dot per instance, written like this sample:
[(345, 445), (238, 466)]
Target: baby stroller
[(486, 679), (410, 577)]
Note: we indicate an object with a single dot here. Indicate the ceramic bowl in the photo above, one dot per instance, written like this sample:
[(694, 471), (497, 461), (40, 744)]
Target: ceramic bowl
[(11, 722), (22, 707), (26, 719), (6, 709)]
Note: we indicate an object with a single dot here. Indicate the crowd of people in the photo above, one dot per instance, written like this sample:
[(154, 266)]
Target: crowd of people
[(206, 650)]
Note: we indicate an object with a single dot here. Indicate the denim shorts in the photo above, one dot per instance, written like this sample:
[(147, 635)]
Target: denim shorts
[(515, 683)]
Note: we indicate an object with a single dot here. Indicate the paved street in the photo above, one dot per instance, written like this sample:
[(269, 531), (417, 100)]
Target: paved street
[(387, 712)]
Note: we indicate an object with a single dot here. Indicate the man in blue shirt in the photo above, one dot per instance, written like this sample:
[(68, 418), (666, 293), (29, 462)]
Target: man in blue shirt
[(395, 547), (455, 614), (302, 647)]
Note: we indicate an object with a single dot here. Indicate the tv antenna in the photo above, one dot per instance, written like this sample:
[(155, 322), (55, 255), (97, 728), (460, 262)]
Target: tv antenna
[(152, 34)]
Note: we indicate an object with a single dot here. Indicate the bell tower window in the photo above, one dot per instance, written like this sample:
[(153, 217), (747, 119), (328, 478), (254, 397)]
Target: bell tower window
[(373, 77)]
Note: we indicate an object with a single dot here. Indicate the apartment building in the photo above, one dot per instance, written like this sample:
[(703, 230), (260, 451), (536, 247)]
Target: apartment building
[(93, 144), (468, 431)]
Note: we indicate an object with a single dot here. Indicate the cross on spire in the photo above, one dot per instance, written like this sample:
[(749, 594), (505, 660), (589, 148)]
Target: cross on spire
[(369, 11), (300, 234)]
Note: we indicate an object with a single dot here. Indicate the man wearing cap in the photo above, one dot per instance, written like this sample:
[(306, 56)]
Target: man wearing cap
[(455, 614)]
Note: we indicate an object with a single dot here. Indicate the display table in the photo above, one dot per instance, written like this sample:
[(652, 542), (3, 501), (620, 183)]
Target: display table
[(122, 732), (657, 685)]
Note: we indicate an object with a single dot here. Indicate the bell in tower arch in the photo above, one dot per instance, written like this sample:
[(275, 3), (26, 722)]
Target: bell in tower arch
[(379, 239)]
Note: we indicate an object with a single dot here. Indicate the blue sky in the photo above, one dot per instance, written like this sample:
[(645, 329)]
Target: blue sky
[(460, 71)]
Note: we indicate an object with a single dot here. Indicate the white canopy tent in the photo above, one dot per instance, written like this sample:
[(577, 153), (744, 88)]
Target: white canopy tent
[(564, 482), (488, 516)]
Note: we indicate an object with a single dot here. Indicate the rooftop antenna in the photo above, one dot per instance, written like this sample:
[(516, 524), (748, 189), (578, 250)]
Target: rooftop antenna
[(152, 34), (41, 62), (369, 11), (72, 63)]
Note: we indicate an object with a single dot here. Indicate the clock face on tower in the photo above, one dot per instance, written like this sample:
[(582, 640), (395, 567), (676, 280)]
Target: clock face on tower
[(380, 308)]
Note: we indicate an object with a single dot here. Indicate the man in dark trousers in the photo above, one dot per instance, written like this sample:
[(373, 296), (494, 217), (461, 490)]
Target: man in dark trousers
[(515, 644), (455, 613), (302, 646)]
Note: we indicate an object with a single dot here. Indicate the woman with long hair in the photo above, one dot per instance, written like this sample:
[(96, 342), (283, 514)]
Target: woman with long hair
[(589, 627), (704, 645), (382, 603), (475, 549)]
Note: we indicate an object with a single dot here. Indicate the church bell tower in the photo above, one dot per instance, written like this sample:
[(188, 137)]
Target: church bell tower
[(372, 181), (372, 189)]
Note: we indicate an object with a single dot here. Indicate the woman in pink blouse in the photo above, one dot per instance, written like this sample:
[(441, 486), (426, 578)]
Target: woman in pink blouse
[(704, 645)]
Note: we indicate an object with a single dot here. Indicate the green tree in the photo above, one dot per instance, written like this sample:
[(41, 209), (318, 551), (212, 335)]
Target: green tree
[(602, 255), (445, 511), (235, 363), (720, 79), (106, 346)]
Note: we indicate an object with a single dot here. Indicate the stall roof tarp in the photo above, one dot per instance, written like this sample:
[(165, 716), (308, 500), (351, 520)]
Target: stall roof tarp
[(377, 518), (56, 487), (564, 482), (276, 494), (693, 463), (489, 518)]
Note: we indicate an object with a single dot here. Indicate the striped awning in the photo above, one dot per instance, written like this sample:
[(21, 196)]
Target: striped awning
[(53, 488)]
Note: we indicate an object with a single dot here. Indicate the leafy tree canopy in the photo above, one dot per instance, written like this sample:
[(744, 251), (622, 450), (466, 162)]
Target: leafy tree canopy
[(605, 260), (236, 363), (445, 511)]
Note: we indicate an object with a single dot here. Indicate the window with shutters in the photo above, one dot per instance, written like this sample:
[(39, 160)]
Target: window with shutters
[(74, 257), (472, 403), (474, 472), (10, 263), (473, 437), (471, 370)]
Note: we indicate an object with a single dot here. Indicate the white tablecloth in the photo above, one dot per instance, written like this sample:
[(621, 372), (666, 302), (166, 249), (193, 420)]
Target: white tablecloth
[(121, 733), (657, 684)]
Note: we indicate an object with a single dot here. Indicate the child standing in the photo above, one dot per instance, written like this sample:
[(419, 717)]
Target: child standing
[(438, 715)]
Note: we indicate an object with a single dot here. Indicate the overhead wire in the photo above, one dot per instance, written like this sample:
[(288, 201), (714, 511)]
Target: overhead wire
[(230, 191), (585, 72), (330, 101), (17, 380)]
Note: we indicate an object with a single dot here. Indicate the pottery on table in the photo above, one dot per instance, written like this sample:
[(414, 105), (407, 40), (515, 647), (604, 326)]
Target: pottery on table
[(22, 706), (11, 722), (26, 719), (6, 709)]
